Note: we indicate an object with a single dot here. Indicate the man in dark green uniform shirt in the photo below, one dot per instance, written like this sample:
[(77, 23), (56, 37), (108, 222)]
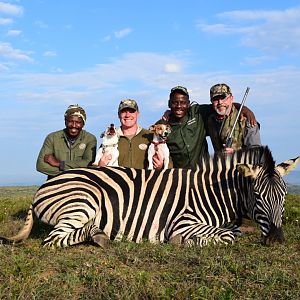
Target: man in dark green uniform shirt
[(187, 143)]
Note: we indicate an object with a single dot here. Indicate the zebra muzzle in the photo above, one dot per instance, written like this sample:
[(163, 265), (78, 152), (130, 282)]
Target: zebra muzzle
[(275, 235)]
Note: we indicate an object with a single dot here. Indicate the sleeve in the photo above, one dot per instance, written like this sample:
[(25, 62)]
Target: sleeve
[(205, 110), (252, 135), (88, 156), (47, 148), (161, 121)]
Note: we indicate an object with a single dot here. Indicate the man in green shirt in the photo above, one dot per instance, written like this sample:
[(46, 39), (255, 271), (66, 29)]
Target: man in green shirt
[(186, 142), (69, 148)]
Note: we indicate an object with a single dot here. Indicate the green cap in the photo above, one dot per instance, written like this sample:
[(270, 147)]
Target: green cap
[(220, 89), (128, 103), (75, 110), (179, 89)]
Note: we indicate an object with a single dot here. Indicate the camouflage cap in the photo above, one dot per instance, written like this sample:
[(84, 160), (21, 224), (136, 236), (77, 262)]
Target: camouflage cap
[(75, 110), (180, 89), (220, 89), (128, 103)]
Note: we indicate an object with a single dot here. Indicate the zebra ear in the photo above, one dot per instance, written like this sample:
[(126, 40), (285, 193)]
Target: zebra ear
[(248, 170), (287, 166)]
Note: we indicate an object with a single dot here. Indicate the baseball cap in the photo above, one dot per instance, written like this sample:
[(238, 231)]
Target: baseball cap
[(220, 89), (128, 103), (180, 89), (75, 110)]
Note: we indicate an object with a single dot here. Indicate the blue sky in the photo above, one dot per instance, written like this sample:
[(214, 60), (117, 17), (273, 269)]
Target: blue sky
[(54, 53)]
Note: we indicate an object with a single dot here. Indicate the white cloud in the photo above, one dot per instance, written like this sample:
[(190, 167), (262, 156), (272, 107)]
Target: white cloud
[(172, 68), (3, 67), (10, 9), (272, 32), (220, 28), (50, 53), (6, 21), (13, 32), (257, 60), (7, 51), (122, 33)]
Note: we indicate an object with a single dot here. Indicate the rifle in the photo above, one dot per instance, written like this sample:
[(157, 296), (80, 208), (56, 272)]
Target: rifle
[(229, 139)]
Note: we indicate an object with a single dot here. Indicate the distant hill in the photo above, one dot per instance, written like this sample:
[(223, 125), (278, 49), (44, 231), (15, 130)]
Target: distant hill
[(293, 178), (293, 189)]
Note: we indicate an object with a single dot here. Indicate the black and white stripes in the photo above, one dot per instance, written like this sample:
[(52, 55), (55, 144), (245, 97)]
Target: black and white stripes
[(178, 205)]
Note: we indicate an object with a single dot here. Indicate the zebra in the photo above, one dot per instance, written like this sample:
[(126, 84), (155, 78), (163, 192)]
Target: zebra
[(182, 206)]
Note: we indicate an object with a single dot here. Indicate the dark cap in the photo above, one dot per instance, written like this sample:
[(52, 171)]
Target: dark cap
[(179, 89), (75, 110), (128, 103), (220, 89)]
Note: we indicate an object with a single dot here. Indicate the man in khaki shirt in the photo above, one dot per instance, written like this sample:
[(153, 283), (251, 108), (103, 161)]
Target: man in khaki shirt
[(134, 140)]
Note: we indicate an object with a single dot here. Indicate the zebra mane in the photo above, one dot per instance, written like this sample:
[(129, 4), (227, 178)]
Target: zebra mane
[(260, 155), (269, 163)]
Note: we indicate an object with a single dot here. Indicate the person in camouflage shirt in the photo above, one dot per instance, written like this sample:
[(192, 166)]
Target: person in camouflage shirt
[(220, 122)]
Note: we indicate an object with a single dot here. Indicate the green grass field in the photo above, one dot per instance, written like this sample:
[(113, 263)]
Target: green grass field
[(245, 270)]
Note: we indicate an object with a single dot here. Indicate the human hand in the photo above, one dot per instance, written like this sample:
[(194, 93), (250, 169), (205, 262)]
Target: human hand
[(227, 150), (249, 115), (51, 160), (166, 115), (157, 160), (105, 159)]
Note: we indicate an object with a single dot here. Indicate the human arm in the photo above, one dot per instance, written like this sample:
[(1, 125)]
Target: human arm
[(55, 156), (158, 161), (166, 115), (82, 157), (104, 160), (252, 135), (46, 161), (251, 138), (206, 110), (246, 113)]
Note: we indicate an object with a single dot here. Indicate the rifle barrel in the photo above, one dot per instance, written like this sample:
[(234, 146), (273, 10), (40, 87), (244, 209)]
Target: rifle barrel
[(229, 138)]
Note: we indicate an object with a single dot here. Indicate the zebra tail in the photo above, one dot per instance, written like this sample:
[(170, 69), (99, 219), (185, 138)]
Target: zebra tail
[(24, 232)]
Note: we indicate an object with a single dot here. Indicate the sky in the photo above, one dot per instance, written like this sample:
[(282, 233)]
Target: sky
[(94, 53)]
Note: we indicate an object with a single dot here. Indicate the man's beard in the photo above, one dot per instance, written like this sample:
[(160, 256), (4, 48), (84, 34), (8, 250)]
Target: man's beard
[(222, 111)]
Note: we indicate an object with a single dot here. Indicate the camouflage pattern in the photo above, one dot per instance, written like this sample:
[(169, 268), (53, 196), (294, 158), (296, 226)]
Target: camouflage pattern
[(75, 110), (219, 138), (181, 89), (128, 103), (220, 89)]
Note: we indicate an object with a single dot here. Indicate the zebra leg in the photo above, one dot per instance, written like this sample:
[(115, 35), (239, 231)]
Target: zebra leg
[(176, 239), (234, 228), (202, 234), (68, 234), (99, 237)]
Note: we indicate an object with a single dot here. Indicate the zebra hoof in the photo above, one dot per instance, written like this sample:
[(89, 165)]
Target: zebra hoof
[(176, 240), (101, 240)]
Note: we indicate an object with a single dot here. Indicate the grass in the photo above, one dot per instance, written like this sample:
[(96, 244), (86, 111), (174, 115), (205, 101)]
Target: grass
[(125, 270)]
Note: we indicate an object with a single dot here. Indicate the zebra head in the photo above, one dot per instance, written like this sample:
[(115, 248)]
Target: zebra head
[(269, 190)]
